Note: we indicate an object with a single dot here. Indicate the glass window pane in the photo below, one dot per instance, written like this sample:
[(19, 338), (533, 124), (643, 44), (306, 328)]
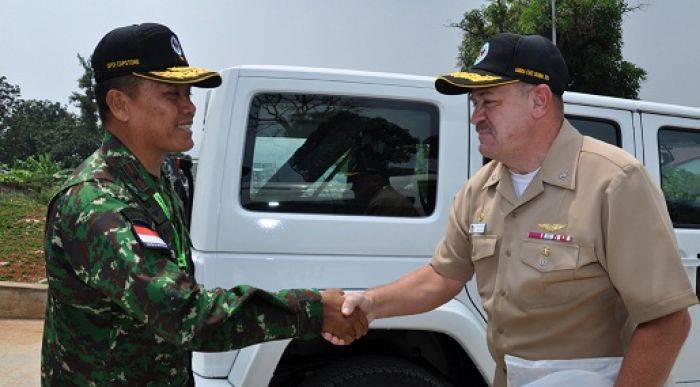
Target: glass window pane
[(679, 156), (600, 129), (340, 155)]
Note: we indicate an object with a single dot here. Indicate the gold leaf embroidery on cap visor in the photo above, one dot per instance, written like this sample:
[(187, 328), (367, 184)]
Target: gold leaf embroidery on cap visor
[(182, 73), (474, 77)]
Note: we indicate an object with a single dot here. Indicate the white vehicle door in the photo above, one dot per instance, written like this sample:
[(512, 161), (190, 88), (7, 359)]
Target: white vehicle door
[(672, 156), (275, 231)]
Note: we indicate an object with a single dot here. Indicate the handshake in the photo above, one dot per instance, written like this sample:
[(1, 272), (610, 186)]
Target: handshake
[(346, 318)]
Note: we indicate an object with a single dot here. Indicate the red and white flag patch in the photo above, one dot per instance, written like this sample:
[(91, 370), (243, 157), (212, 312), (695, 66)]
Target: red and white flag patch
[(149, 238)]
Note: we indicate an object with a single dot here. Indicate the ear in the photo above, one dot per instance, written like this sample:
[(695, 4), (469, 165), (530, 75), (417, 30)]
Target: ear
[(541, 100), (118, 103)]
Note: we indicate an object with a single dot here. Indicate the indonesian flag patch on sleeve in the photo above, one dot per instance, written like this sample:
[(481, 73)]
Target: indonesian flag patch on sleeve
[(149, 238)]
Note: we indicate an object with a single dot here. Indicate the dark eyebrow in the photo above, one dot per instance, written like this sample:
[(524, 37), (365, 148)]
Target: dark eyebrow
[(485, 93)]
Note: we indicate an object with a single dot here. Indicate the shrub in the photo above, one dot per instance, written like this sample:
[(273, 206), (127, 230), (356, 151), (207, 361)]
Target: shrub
[(38, 176)]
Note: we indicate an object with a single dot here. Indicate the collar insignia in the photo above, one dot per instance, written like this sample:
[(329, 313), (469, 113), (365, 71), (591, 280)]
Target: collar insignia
[(564, 174)]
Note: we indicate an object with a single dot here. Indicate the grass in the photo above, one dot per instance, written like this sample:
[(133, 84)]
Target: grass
[(21, 238)]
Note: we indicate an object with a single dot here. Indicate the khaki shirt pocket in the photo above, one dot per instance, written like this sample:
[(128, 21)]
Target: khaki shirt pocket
[(485, 263), (483, 246), (546, 277)]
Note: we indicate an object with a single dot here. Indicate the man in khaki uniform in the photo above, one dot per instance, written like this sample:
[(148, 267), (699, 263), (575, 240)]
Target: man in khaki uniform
[(570, 240)]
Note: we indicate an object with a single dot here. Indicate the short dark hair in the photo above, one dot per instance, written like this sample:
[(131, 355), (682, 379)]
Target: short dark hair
[(128, 84)]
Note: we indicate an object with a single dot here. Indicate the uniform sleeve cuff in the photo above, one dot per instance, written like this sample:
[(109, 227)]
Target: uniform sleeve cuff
[(453, 269), (310, 314), (664, 308)]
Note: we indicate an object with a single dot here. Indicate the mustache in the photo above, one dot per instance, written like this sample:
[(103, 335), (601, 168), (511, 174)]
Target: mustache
[(481, 127)]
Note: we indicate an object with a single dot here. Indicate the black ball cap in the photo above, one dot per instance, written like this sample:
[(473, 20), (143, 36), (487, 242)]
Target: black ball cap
[(151, 51), (509, 58)]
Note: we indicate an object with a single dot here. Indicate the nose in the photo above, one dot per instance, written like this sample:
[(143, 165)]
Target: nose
[(187, 105), (477, 115)]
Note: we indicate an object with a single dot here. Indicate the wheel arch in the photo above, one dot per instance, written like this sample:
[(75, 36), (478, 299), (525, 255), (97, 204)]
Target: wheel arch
[(445, 340)]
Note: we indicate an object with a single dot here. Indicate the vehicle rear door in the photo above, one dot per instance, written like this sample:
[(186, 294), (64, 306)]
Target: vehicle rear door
[(672, 156)]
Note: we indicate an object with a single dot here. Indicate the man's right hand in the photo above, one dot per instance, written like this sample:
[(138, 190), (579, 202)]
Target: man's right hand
[(343, 327), (355, 302)]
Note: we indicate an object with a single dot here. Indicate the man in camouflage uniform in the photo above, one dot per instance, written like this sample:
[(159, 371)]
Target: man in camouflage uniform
[(123, 303)]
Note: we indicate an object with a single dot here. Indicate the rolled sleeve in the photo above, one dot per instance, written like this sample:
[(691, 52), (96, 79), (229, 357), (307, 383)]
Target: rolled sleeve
[(310, 312), (642, 256)]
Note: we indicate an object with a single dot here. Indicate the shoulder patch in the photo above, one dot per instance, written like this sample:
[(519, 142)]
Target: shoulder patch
[(149, 238), (142, 228)]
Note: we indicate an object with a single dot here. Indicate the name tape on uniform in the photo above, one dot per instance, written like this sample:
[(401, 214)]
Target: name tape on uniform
[(477, 228)]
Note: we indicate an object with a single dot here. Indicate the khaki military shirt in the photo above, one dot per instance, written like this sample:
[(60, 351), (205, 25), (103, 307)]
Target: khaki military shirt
[(610, 260)]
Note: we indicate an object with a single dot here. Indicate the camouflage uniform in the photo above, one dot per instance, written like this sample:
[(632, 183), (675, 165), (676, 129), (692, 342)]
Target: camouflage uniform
[(121, 313)]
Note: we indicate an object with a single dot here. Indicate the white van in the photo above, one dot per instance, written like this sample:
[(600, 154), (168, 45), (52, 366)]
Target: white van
[(281, 201)]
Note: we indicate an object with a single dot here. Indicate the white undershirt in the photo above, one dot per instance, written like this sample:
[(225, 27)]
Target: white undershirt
[(520, 182)]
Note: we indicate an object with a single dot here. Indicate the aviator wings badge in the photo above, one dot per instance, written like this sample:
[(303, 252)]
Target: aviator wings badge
[(551, 227)]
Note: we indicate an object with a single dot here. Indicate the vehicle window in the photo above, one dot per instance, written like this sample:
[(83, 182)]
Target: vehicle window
[(603, 130), (327, 154), (679, 158)]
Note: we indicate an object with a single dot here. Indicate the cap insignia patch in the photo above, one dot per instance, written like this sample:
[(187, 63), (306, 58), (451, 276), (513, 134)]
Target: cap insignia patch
[(482, 53), (176, 45)]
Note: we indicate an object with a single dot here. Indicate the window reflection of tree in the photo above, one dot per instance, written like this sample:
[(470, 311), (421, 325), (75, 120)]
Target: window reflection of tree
[(374, 142), (338, 135), (290, 115)]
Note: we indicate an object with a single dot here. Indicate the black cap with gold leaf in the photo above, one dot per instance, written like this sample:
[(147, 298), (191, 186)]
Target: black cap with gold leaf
[(509, 58), (151, 51)]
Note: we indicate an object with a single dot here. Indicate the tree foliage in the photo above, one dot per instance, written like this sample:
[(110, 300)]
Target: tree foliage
[(589, 35), (89, 131), (8, 94), (30, 127), (37, 127)]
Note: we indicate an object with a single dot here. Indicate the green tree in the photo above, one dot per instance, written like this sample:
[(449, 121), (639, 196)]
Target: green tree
[(8, 94), (37, 127), (589, 35), (89, 133)]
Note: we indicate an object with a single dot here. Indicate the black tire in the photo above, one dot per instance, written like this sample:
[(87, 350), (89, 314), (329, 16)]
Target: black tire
[(374, 371)]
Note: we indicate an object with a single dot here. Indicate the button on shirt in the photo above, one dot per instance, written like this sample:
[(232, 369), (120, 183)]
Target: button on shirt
[(566, 298)]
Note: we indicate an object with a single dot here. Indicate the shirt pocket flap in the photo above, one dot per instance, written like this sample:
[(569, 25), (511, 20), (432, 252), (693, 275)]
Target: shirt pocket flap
[(548, 257), (483, 246)]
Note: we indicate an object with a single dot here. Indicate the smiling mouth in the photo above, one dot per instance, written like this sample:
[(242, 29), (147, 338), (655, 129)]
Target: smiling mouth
[(187, 127)]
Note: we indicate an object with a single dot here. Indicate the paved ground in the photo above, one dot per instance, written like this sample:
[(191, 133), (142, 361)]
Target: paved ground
[(20, 352)]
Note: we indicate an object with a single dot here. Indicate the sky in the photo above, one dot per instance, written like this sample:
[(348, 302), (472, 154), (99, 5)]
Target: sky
[(39, 40)]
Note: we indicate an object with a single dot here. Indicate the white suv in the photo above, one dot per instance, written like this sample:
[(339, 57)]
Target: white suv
[(330, 178)]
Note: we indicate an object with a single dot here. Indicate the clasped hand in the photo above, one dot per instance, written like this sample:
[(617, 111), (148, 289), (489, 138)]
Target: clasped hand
[(340, 328), (345, 317)]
